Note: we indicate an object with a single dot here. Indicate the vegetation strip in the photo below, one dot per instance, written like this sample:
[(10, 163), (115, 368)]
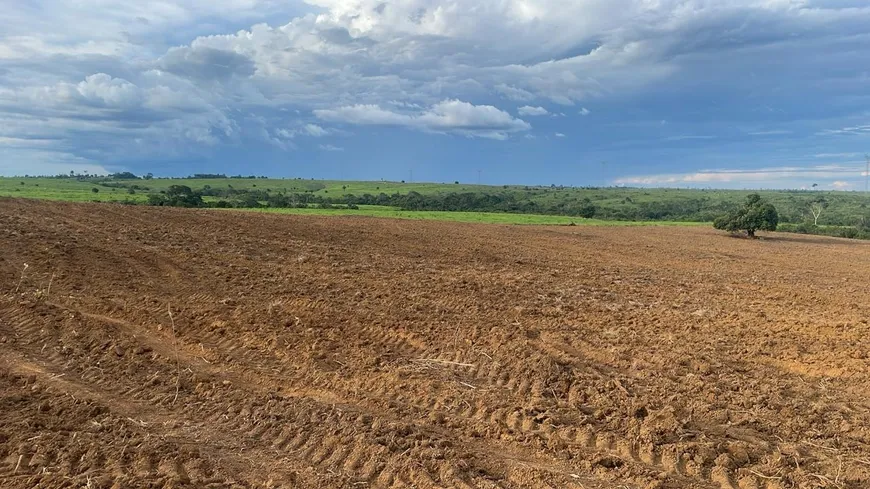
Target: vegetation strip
[(842, 214)]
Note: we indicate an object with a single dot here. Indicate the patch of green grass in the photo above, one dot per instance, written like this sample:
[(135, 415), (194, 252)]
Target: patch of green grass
[(472, 217), (75, 190), (66, 189)]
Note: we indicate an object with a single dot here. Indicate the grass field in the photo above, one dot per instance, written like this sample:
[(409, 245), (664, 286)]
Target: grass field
[(64, 189), (478, 217), (82, 190)]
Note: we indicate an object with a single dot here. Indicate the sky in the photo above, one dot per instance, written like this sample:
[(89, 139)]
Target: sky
[(673, 93)]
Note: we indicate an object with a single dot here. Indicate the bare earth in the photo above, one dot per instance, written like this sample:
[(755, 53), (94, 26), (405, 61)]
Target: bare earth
[(356, 352)]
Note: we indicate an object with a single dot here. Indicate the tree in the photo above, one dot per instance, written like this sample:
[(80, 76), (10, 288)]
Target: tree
[(95, 190), (181, 196), (755, 215), (816, 208)]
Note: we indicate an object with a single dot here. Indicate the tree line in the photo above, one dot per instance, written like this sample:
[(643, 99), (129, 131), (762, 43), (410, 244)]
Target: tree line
[(699, 210), (695, 209)]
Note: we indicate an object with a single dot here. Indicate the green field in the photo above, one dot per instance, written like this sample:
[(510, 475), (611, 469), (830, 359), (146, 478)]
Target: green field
[(75, 190), (472, 217), (528, 204)]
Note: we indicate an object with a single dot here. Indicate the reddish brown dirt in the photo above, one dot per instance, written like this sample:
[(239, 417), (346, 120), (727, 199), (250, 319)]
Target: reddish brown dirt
[(355, 352)]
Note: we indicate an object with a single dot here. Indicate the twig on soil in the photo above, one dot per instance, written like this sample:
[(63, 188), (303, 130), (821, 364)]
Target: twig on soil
[(18, 465), (442, 362), (468, 385), (768, 477), (621, 387), (575, 477), (175, 348), (26, 266), (820, 446), (48, 290), (825, 480), (456, 338)]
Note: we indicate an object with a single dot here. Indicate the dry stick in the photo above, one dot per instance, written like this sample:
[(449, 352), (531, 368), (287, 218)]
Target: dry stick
[(22, 277), (442, 362), (175, 348), (768, 477), (48, 291)]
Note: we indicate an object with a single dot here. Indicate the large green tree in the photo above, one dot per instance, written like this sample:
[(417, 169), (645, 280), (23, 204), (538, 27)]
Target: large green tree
[(755, 215)]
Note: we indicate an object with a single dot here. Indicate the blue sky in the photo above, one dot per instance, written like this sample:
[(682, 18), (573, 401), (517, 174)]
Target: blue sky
[(679, 93)]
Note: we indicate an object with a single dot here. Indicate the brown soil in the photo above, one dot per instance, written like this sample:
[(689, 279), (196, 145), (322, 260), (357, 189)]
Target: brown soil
[(356, 352)]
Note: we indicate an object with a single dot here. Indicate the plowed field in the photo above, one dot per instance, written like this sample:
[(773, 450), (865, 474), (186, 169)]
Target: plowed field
[(158, 348)]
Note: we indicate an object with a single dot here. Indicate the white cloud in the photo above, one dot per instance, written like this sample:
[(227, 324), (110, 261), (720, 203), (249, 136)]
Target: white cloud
[(841, 185), (310, 130), (688, 137), (559, 135), (770, 175), (772, 132), (448, 116), (584, 111), (104, 90), (527, 110), (329, 147), (514, 93), (316, 131), (838, 155), (851, 130)]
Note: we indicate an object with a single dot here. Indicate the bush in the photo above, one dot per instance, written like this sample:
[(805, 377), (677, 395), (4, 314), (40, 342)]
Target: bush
[(177, 196)]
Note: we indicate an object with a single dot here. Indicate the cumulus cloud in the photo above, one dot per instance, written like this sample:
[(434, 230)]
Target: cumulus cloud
[(584, 111), (448, 116), (527, 110), (102, 89), (559, 135)]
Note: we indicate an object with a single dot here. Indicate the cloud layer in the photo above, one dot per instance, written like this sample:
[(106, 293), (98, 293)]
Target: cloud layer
[(111, 85)]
